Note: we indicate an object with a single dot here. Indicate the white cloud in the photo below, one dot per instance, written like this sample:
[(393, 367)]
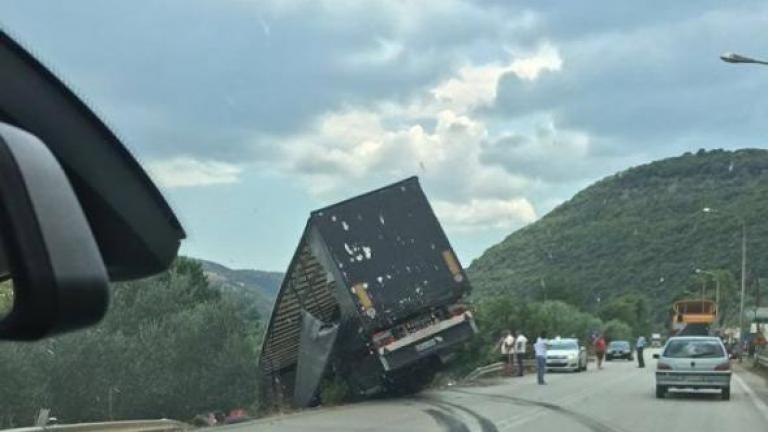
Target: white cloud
[(436, 135), (485, 214), (356, 145), (547, 58), (476, 86), (185, 171)]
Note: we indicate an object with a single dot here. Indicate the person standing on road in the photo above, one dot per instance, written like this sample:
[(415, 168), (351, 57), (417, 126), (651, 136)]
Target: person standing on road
[(507, 346), (640, 346), (540, 349), (520, 343), (599, 345)]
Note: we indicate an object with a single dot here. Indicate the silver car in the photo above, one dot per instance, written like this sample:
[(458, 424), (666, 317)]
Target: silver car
[(693, 362), (566, 355)]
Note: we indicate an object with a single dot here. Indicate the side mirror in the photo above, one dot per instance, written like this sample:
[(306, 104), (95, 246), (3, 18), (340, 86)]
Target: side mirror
[(48, 249), (656, 356)]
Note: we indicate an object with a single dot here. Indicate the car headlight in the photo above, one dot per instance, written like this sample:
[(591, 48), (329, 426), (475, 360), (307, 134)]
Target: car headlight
[(571, 356)]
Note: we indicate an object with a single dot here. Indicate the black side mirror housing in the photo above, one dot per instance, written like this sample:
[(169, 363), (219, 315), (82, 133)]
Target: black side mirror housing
[(656, 356), (48, 249)]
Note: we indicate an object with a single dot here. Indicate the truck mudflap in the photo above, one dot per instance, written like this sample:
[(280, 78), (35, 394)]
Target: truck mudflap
[(427, 342)]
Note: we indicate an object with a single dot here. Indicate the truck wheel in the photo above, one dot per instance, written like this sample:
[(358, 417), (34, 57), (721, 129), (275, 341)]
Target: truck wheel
[(726, 393), (661, 391)]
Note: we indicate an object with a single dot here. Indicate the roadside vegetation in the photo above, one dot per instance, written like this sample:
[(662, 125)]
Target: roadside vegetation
[(171, 346), (497, 314)]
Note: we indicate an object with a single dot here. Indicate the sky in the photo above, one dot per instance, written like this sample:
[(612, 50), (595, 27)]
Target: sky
[(249, 114)]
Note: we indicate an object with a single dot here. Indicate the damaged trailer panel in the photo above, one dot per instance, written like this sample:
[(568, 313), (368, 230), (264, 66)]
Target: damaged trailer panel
[(373, 294)]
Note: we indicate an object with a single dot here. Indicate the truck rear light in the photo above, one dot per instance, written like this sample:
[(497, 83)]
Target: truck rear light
[(723, 366), (382, 339), (663, 366), (456, 310)]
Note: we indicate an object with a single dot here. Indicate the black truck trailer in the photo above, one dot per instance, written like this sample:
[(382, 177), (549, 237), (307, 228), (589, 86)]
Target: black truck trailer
[(374, 295)]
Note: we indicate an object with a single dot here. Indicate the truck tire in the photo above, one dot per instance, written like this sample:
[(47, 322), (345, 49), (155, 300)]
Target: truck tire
[(661, 391), (412, 381)]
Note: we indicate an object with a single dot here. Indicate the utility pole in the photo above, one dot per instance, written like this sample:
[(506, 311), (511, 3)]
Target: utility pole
[(743, 223), (717, 299), (716, 277), (743, 275)]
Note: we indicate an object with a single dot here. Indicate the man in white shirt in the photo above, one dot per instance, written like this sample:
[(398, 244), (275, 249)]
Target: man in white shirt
[(507, 349), (640, 346), (520, 346), (540, 349)]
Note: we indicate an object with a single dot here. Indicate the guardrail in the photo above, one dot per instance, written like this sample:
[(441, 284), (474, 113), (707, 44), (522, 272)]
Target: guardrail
[(528, 364), (762, 359), (163, 425), (495, 368)]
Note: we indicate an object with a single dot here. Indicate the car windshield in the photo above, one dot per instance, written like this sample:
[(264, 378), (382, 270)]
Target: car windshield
[(562, 345), (692, 348), (404, 203)]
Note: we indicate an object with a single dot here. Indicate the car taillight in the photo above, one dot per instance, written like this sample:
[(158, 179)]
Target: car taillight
[(723, 366), (456, 310), (663, 366), (383, 338)]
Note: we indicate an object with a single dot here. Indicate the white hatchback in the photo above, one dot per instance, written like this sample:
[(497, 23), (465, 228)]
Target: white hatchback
[(693, 362), (566, 355)]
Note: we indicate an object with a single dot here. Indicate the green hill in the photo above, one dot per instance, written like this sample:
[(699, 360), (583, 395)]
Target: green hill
[(254, 288), (641, 231)]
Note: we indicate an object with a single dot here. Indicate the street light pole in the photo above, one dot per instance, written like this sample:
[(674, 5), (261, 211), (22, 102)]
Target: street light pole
[(717, 298), (716, 277), (743, 259), (743, 275)]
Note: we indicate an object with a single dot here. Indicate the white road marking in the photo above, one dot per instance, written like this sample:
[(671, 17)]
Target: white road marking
[(759, 404)]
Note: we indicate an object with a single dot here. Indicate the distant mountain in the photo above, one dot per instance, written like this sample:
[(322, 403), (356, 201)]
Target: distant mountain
[(643, 231), (251, 286)]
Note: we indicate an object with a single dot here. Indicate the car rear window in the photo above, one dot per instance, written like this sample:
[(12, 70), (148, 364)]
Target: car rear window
[(619, 344), (691, 348), (562, 345)]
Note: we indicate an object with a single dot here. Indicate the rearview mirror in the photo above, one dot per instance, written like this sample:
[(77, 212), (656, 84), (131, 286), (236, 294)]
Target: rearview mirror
[(59, 282), (656, 356)]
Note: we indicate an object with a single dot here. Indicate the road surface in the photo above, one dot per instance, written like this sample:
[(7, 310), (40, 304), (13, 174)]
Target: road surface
[(618, 398)]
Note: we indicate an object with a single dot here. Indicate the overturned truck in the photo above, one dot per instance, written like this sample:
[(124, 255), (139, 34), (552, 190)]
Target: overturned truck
[(374, 295)]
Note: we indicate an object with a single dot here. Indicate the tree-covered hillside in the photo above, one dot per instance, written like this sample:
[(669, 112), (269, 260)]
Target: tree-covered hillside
[(642, 231), (254, 288)]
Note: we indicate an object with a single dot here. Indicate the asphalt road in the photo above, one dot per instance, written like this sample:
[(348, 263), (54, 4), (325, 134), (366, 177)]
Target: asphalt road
[(618, 398)]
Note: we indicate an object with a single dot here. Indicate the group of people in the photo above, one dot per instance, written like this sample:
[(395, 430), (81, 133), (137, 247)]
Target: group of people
[(513, 349)]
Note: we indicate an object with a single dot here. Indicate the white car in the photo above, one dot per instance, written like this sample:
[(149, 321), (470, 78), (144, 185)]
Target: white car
[(693, 362), (566, 355)]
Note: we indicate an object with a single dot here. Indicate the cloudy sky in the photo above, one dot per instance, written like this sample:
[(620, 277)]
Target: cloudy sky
[(249, 114)]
